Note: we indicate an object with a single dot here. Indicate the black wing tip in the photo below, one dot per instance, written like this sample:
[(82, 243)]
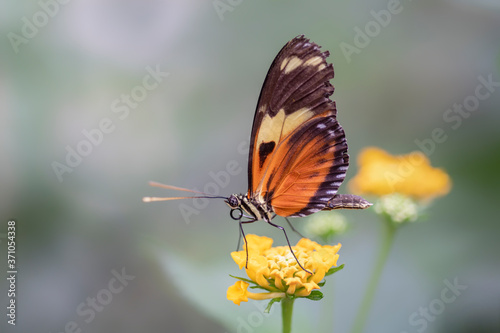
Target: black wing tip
[(300, 37), (304, 42)]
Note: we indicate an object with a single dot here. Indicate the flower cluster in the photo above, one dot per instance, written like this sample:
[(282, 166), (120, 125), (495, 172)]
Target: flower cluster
[(275, 270), (412, 175), (404, 184)]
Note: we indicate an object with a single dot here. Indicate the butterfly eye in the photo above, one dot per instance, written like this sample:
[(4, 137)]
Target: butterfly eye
[(233, 201)]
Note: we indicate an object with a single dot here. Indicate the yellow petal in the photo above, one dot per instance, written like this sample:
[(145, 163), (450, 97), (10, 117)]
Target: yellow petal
[(278, 280), (257, 244), (309, 286), (261, 277), (255, 265), (261, 296), (290, 271), (303, 275), (293, 283), (238, 292), (240, 258), (308, 244), (319, 274)]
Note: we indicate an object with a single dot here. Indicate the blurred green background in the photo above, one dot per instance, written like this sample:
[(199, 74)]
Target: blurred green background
[(64, 69)]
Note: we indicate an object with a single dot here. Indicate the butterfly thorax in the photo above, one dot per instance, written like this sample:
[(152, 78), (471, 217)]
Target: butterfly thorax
[(250, 207)]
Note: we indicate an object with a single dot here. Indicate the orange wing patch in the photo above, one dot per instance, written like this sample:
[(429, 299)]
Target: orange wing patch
[(273, 131), (307, 169)]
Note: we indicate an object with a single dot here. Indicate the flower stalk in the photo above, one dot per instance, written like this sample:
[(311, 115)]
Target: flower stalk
[(388, 231), (286, 313)]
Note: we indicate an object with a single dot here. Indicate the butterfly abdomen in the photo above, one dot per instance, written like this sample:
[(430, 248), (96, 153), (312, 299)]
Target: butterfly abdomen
[(347, 201)]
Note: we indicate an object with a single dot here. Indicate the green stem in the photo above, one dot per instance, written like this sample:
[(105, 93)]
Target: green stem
[(286, 313), (385, 247)]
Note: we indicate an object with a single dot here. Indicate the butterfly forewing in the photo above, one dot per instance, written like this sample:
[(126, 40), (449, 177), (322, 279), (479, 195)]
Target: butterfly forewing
[(298, 154)]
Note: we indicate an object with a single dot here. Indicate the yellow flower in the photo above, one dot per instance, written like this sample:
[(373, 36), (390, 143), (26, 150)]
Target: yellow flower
[(412, 175), (275, 270)]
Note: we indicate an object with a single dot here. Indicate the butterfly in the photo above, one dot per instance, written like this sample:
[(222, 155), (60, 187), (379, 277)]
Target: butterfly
[(298, 150)]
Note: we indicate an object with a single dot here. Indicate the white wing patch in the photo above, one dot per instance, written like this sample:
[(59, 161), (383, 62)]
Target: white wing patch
[(314, 61), (277, 127), (289, 64)]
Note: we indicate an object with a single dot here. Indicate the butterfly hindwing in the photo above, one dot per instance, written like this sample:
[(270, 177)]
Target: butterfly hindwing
[(316, 160), (298, 154)]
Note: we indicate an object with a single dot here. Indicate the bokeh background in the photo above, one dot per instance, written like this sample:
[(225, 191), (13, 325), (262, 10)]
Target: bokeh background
[(76, 232)]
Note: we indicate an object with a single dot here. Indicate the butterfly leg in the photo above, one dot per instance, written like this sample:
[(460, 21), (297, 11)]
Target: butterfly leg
[(293, 229), (289, 246), (244, 238), (239, 238)]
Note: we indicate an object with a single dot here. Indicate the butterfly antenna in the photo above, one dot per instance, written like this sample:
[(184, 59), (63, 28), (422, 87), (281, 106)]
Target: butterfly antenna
[(170, 187)]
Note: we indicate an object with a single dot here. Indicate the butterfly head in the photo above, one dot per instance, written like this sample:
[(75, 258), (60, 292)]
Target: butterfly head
[(237, 204), (234, 201)]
